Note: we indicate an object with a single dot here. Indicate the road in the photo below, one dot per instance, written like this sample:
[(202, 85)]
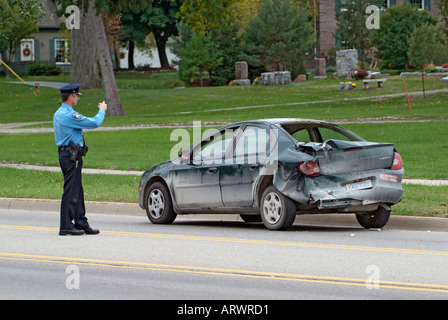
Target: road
[(216, 259)]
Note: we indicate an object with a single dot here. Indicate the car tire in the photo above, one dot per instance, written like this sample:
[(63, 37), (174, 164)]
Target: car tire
[(375, 219), (159, 206), (277, 211)]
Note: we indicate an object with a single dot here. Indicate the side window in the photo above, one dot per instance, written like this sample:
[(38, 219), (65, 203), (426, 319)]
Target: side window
[(301, 135), (328, 134), (214, 150), (252, 146)]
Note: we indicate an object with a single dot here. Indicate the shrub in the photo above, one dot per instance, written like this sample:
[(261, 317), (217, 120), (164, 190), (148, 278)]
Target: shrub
[(43, 69)]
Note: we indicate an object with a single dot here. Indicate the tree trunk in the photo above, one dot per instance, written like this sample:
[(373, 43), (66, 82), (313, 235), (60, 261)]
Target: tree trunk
[(131, 55), (161, 47), (84, 68), (110, 86)]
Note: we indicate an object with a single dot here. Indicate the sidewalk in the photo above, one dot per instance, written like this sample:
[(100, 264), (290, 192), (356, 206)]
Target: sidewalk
[(312, 220), (426, 182)]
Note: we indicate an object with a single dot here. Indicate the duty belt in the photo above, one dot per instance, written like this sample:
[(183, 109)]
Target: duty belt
[(64, 148)]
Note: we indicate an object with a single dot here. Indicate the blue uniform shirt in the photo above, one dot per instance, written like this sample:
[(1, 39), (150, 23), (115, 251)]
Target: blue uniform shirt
[(68, 125)]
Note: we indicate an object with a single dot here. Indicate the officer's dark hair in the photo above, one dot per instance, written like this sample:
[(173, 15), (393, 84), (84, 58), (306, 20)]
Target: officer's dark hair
[(65, 95)]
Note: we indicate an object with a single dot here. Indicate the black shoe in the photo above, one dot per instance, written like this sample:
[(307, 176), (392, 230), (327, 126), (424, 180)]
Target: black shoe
[(72, 232), (91, 231)]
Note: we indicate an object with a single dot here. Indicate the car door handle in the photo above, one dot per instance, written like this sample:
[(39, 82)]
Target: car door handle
[(253, 167), (212, 170)]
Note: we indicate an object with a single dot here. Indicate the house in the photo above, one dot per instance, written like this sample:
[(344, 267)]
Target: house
[(326, 25), (48, 45)]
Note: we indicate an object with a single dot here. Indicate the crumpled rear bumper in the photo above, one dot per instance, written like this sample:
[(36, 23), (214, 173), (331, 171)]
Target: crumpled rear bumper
[(351, 190)]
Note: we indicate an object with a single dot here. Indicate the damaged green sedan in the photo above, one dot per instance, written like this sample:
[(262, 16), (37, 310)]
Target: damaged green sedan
[(271, 170)]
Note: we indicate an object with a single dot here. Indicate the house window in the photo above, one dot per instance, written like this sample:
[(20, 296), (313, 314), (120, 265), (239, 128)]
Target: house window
[(419, 3), (27, 50), (386, 4), (61, 51)]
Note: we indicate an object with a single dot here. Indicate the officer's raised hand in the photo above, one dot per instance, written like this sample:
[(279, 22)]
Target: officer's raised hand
[(102, 105)]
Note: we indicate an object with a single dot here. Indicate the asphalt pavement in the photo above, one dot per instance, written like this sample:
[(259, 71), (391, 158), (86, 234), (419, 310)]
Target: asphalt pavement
[(428, 224)]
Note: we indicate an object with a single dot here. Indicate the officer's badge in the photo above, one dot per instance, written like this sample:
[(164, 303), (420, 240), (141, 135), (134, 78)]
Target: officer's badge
[(76, 116)]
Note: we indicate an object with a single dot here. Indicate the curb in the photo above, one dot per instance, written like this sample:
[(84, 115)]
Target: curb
[(428, 224)]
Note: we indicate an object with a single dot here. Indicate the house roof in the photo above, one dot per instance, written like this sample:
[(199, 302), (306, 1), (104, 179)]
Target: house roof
[(51, 19)]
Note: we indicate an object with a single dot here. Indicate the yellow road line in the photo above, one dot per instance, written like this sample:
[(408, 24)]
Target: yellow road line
[(225, 272), (247, 241)]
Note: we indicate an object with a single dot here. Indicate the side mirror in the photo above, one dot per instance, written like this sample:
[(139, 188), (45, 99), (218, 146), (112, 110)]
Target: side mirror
[(185, 156)]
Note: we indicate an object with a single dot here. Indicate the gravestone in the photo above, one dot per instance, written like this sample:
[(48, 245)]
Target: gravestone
[(242, 73), (346, 61), (320, 66), (300, 78), (278, 77), (241, 70)]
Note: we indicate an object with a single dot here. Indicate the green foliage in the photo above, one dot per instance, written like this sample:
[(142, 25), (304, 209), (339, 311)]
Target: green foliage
[(199, 56), (428, 45), (43, 69), (279, 38), (397, 25), (18, 19), (14, 12), (203, 16), (228, 43), (443, 12)]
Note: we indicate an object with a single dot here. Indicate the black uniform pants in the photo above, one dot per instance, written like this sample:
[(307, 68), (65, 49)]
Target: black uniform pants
[(73, 212)]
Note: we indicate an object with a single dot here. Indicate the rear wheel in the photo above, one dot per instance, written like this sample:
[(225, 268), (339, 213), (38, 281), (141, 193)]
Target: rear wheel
[(375, 219), (277, 211), (159, 207)]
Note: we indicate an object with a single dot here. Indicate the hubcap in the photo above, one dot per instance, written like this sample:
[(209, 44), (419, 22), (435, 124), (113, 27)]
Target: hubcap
[(272, 208), (156, 203)]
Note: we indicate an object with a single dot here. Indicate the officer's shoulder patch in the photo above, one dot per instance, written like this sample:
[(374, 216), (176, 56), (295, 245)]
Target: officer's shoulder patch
[(76, 116)]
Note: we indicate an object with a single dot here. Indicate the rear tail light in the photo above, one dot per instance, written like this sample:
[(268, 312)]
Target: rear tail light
[(309, 168), (398, 162)]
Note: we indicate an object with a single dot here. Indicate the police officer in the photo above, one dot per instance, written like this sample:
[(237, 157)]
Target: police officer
[(68, 125)]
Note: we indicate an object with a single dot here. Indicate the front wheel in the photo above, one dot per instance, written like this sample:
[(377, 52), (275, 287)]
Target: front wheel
[(159, 207), (375, 219), (277, 211)]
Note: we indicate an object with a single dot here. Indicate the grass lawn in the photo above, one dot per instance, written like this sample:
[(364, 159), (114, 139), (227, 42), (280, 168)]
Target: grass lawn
[(155, 99), (422, 145), (418, 200), (145, 102)]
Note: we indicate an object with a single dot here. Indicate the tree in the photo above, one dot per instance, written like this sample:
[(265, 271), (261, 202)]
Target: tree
[(134, 31), (83, 63), (204, 16), (279, 38), (18, 19), (198, 56), (351, 25), (428, 44), (397, 25), (443, 11), (162, 20), (92, 11)]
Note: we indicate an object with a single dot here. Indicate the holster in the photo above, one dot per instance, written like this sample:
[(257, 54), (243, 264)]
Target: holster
[(76, 149)]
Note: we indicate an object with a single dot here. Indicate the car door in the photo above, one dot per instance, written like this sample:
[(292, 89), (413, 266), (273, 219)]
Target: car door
[(239, 176), (196, 185)]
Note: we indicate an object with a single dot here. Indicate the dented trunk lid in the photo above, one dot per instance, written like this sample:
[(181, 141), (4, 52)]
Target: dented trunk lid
[(339, 157)]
